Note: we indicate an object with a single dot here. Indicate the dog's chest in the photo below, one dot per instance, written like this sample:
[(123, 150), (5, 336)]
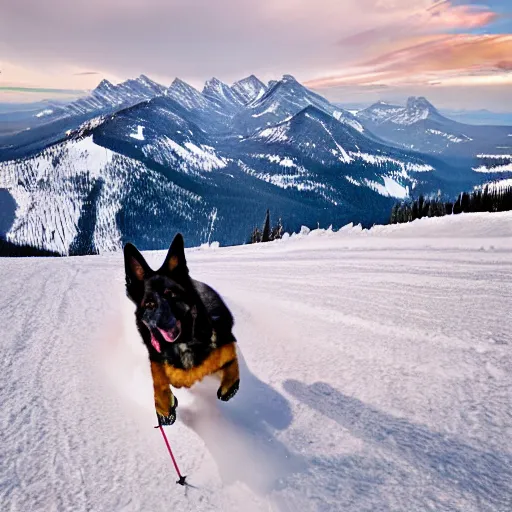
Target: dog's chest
[(186, 356), (193, 354)]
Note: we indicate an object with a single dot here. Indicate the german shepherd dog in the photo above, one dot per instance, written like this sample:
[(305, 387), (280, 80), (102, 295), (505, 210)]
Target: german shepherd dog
[(185, 326)]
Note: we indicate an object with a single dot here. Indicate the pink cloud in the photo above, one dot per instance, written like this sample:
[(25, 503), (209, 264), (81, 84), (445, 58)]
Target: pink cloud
[(445, 16), (412, 46), (428, 61), (505, 65), (438, 18)]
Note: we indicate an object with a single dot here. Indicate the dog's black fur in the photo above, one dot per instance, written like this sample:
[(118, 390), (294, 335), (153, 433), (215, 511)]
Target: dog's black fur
[(170, 304)]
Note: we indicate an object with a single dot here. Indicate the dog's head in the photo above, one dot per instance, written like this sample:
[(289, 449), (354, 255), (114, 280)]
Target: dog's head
[(168, 307)]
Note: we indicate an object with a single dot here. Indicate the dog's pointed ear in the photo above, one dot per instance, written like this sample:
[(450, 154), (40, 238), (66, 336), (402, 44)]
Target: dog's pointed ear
[(136, 270), (134, 263), (175, 261)]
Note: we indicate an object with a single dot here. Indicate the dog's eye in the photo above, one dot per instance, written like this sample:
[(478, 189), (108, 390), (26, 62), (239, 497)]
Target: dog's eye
[(170, 293)]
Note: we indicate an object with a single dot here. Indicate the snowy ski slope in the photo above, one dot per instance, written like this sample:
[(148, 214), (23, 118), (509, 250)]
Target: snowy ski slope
[(377, 377)]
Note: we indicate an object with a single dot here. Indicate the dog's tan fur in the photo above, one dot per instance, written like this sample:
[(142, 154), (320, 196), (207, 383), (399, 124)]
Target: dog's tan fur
[(222, 361)]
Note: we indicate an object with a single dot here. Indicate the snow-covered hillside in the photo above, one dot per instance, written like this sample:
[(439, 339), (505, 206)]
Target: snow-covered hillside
[(376, 378), (78, 181)]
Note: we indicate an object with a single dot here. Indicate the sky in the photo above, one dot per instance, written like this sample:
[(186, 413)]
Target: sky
[(457, 53)]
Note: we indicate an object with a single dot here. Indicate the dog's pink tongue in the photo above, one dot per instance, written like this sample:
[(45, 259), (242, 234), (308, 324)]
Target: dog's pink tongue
[(155, 343), (168, 336)]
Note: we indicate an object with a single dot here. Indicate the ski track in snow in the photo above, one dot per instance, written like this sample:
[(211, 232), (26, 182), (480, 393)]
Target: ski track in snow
[(376, 377)]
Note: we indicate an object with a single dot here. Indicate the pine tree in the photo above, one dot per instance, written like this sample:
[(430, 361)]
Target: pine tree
[(265, 237), (394, 214), (506, 200), (421, 202), (457, 206), (407, 213), (414, 213), (255, 236), (464, 202), (400, 214), (277, 231)]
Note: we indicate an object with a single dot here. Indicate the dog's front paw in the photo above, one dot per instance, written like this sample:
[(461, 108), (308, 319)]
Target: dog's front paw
[(166, 420), (170, 418), (230, 393)]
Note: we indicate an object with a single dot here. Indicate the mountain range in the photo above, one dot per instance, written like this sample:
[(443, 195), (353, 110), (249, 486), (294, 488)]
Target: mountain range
[(139, 161), (421, 127)]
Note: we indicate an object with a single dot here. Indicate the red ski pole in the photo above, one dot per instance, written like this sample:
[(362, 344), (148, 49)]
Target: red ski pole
[(182, 478)]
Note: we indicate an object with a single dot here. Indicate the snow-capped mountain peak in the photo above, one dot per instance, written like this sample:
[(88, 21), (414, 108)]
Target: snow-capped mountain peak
[(143, 79), (285, 98), (144, 86), (219, 92), (419, 103), (289, 78), (419, 126), (106, 98), (249, 89), (186, 95), (104, 85), (415, 110), (178, 83)]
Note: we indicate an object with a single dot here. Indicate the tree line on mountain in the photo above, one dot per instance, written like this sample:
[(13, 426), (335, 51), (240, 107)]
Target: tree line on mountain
[(481, 200), (11, 250), (267, 234)]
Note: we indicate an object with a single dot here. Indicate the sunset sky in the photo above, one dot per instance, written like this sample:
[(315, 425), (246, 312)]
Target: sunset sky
[(457, 53)]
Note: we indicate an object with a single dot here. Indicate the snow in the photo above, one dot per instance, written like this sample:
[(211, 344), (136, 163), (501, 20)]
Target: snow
[(219, 90), (298, 179), (353, 181), (49, 214), (259, 95), (250, 89), (50, 190), (497, 185), (187, 95), (339, 116), (391, 188), (496, 157), (381, 112), (449, 136), (497, 168), (408, 118), (287, 162), (276, 159), (207, 155), (277, 133), (190, 158), (375, 377), (343, 154), (139, 134), (272, 109), (45, 112), (386, 161)]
